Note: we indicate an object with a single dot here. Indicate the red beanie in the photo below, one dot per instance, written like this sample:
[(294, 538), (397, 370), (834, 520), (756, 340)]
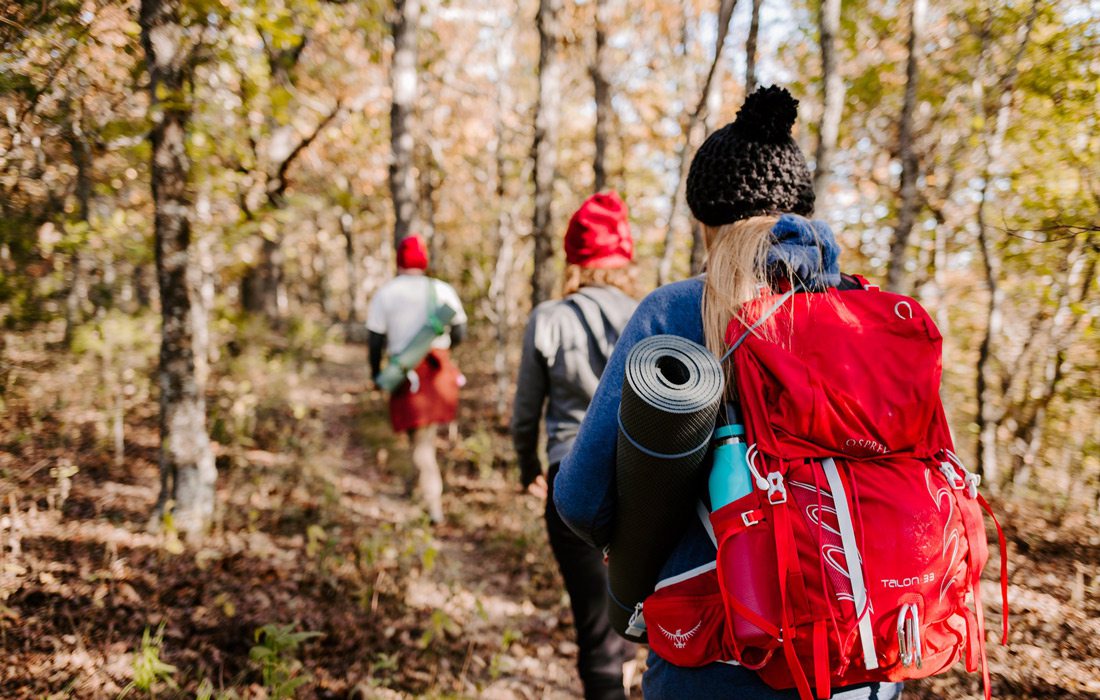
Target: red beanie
[(412, 253), (599, 233)]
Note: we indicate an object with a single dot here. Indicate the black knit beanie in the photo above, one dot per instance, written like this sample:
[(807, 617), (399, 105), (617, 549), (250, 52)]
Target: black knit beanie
[(752, 166)]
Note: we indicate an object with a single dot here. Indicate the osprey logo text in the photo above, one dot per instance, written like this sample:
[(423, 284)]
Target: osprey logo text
[(679, 638), (866, 444)]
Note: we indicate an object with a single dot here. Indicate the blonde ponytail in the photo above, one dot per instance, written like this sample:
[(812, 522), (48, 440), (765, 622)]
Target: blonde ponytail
[(736, 257)]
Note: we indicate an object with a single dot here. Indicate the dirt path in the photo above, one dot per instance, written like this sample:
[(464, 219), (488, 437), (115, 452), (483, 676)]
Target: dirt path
[(491, 590)]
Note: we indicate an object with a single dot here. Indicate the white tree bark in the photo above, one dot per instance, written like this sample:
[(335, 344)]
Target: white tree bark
[(991, 410), (186, 460)]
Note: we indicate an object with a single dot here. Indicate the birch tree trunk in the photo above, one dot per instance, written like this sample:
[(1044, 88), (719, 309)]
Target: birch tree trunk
[(602, 91), (990, 412), (186, 460), (832, 98), (907, 190), (750, 47), (687, 148), (403, 82), (545, 147)]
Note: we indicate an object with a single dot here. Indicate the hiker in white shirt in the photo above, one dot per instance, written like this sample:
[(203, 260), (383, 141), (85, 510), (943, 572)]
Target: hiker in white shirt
[(398, 311)]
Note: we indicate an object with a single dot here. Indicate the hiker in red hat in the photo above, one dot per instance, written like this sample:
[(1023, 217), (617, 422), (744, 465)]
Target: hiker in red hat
[(399, 318), (565, 349)]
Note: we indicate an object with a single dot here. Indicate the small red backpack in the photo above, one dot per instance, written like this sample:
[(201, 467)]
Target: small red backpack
[(858, 555)]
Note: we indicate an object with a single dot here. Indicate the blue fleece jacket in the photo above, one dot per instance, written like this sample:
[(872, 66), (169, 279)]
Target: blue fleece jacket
[(584, 493)]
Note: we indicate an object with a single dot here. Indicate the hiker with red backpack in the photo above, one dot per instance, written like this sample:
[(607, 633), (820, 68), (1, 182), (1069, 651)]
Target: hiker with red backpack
[(565, 348), (847, 558)]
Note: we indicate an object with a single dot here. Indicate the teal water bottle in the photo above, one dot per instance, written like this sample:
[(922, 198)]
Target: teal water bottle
[(730, 478)]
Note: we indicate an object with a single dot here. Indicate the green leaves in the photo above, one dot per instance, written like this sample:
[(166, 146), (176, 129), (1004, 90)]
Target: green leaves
[(276, 652), (148, 669)]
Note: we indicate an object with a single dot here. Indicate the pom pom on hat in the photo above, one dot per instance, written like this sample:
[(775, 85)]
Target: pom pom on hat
[(599, 233), (767, 116), (752, 166)]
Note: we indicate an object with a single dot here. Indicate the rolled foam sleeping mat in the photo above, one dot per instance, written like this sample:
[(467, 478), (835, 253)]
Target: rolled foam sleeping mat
[(672, 391), (393, 375)]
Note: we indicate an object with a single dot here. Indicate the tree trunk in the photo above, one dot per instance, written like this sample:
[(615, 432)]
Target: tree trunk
[(186, 460), (750, 47), (428, 181), (939, 270), (263, 287), (907, 190), (204, 271), (118, 425), (357, 302), (504, 242), (545, 147), (403, 83), (687, 148), (602, 90), (78, 283), (989, 412), (698, 241), (832, 99)]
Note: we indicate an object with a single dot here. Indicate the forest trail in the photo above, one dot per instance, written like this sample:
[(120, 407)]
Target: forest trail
[(315, 531), (487, 580), (324, 539), (492, 584)]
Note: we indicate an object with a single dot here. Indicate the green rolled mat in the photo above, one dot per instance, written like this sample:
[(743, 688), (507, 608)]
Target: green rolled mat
[(415, 351), (672, 391)]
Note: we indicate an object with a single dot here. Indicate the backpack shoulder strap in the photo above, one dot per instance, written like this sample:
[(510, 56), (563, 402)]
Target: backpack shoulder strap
[(850, 282), (592, 316), (433, 308), (760, 321)]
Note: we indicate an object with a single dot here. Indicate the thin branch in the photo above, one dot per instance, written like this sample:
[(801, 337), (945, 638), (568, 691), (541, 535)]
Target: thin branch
[(276, 187), (1063, 232)]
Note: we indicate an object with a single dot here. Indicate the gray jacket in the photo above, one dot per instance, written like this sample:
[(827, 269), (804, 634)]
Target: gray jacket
[(565, 348)]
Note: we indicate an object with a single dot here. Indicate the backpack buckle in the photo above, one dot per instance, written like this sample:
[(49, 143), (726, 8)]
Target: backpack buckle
[(635, 626), (749, 518), (777, 492), (953, 479)]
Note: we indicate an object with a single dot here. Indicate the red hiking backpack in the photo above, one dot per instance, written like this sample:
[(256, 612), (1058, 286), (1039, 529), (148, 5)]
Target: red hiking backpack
[(858, 555)]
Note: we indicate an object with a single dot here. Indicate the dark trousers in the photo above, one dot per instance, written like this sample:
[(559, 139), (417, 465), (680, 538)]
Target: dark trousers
[(601, 651)]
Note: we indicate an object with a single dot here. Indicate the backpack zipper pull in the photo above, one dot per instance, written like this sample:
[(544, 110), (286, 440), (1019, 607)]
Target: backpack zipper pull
[(972, 482)]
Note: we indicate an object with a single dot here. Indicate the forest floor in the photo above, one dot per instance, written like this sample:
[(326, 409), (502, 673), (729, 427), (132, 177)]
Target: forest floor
[(315, 532)]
